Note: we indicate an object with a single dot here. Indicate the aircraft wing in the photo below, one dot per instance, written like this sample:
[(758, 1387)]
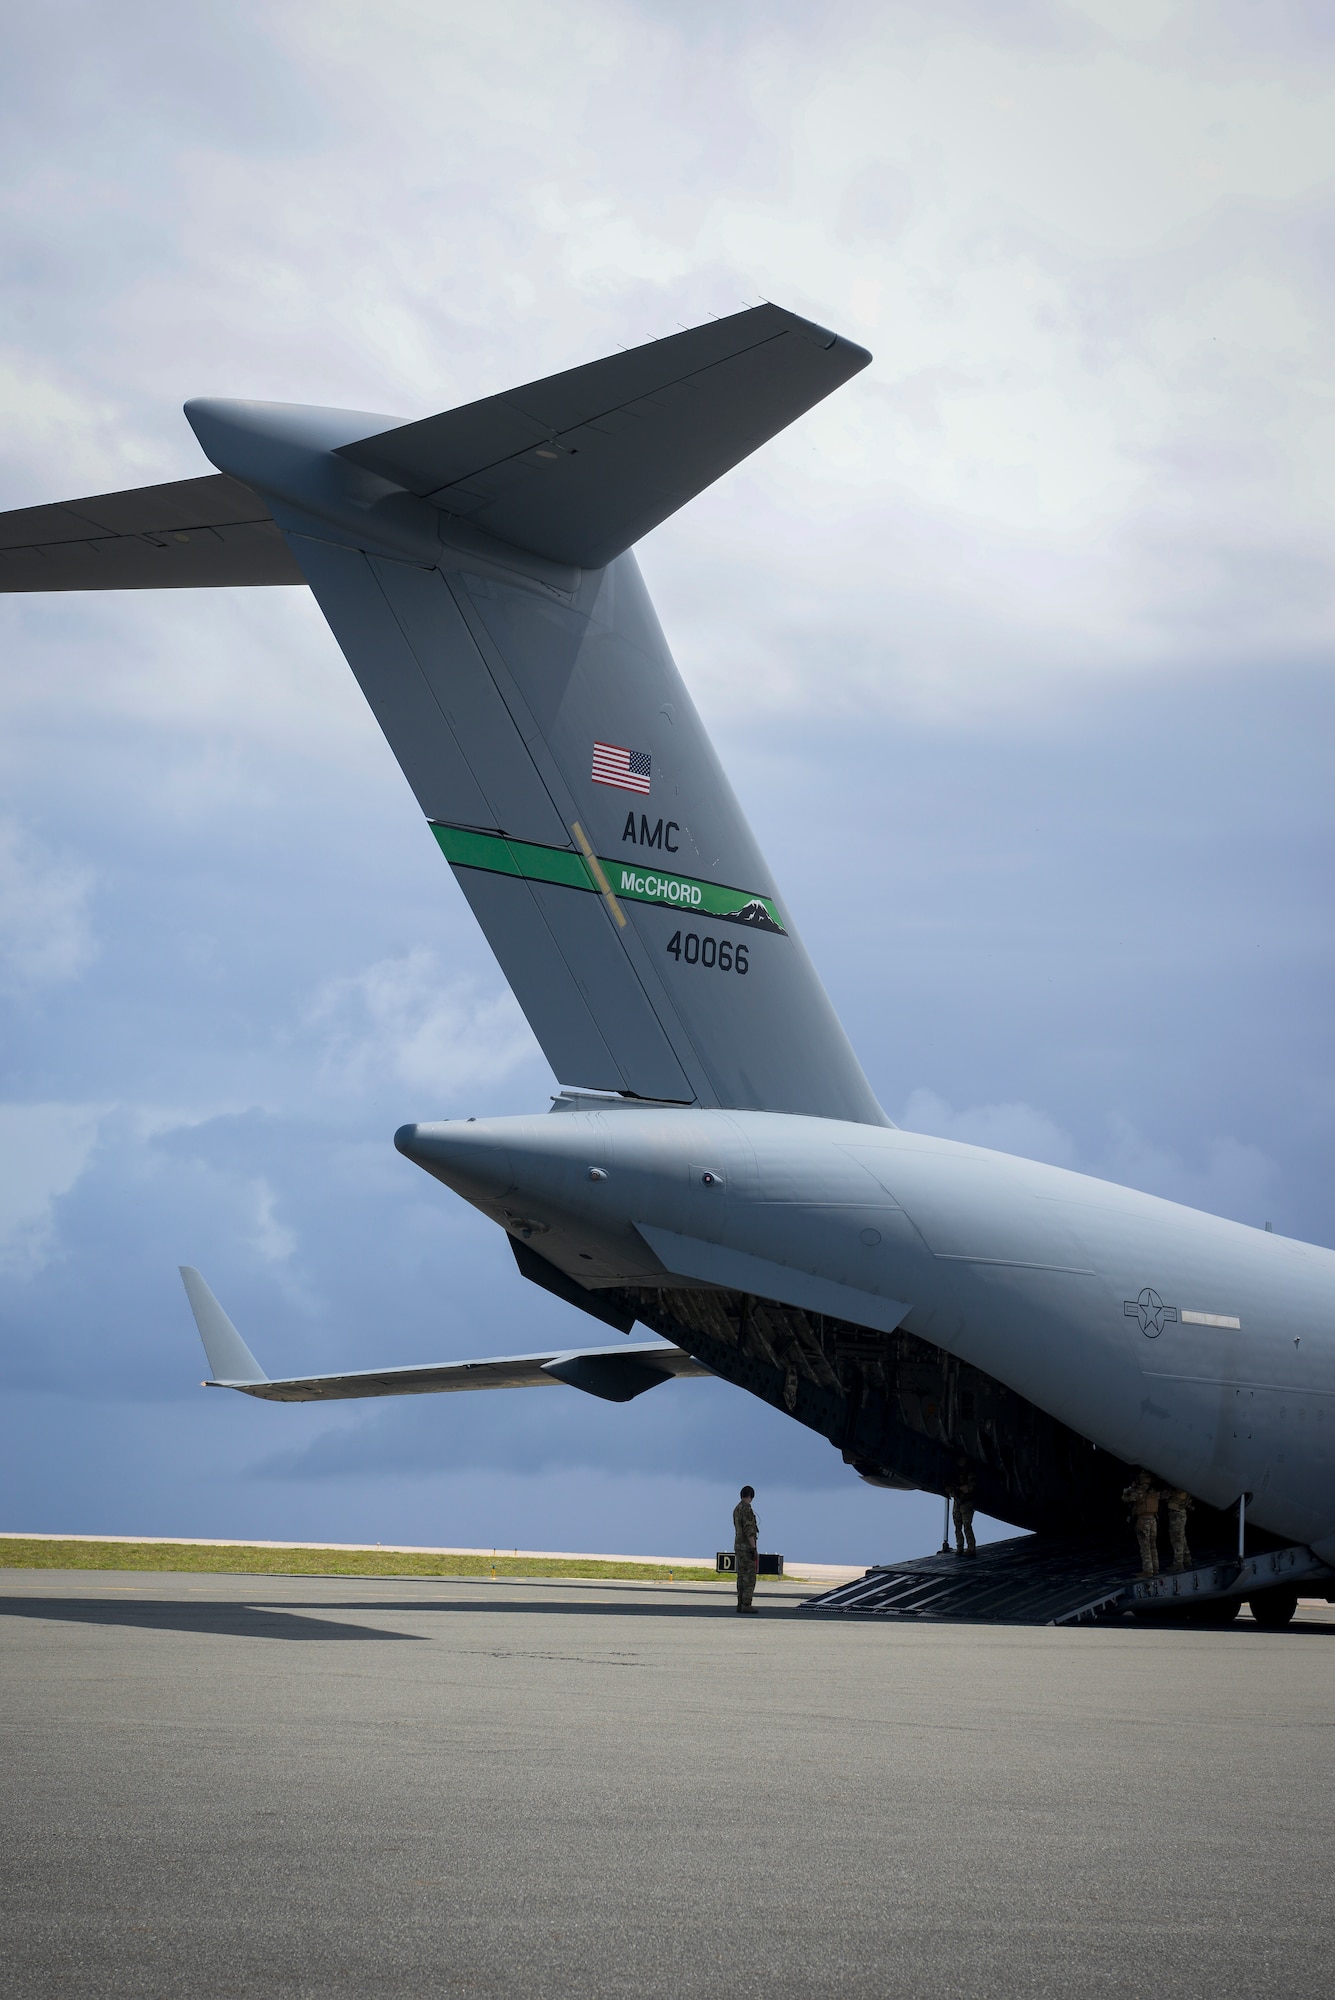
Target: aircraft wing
[(188, 534), (615, 1374)]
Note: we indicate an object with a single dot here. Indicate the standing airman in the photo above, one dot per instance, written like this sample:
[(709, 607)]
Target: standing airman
[(746, 1548), (961, 1494), (1179, 1504), (1144, 1497)]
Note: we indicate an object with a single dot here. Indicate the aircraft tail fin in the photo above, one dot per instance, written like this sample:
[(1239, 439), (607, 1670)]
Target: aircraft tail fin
[(570, 783), (476, 570), (230, 1360)]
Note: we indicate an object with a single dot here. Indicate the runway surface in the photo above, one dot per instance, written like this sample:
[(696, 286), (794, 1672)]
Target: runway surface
[(325, 1787)]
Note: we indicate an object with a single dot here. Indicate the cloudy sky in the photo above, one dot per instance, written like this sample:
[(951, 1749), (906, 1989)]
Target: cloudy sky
[(1019, 651)]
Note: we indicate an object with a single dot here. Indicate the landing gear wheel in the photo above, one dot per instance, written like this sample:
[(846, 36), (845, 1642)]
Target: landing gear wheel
[(1215, 1611), (1273, 1609)]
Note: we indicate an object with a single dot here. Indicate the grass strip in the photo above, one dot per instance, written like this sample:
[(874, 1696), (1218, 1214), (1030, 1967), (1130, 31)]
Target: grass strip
[(248, 1561)]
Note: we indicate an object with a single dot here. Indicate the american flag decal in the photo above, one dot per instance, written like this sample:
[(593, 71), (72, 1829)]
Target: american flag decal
[(628, 770)]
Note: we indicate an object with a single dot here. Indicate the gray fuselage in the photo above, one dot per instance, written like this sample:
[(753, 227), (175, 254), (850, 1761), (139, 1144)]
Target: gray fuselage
[(1171, 1338)]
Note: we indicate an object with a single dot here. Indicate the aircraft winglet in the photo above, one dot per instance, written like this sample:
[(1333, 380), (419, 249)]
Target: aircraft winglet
[(230, 1360)]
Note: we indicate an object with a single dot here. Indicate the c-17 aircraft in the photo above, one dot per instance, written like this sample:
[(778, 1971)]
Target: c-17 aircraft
[(716, 1167)]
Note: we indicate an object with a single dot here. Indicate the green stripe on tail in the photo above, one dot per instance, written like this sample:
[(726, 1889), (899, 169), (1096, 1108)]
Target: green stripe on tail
[(464, 847)]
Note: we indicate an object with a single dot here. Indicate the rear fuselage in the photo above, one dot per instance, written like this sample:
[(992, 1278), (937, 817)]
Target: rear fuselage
[(1201, 1348)]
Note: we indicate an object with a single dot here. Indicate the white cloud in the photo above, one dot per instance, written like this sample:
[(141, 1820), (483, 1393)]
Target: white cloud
[(272, 1239), (403, 1020), (44, 931), (1129, 20), (220, 678), (1084, 245), (50, 415), (1231, 1179), (1003, 1128), (44, 1149)]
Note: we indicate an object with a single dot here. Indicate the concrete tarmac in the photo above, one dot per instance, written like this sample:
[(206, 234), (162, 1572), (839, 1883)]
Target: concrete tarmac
[(267, 1786)]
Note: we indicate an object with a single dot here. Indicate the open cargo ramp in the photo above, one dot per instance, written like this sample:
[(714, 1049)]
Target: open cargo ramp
[(1044, 1580)]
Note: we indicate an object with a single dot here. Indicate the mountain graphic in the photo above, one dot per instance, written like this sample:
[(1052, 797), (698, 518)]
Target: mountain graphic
[(757, 916)]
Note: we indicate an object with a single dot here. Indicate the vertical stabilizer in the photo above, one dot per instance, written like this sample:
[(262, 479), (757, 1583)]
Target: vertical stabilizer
[(475, 568)]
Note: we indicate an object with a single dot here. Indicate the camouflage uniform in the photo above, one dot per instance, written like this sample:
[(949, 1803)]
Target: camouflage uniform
[(746, 1546), (1178, 1505), (961, 1494), (1144, 1497)]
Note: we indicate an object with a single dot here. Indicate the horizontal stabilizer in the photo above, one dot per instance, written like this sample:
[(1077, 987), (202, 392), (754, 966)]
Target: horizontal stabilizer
[(233, 1364), (578, 466), (189, 534)]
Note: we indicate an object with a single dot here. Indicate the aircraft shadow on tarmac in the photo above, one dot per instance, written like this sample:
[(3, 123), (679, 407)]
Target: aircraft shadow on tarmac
[(295, 1620), (712, 1604), (549, 1608), (243, 1621)]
